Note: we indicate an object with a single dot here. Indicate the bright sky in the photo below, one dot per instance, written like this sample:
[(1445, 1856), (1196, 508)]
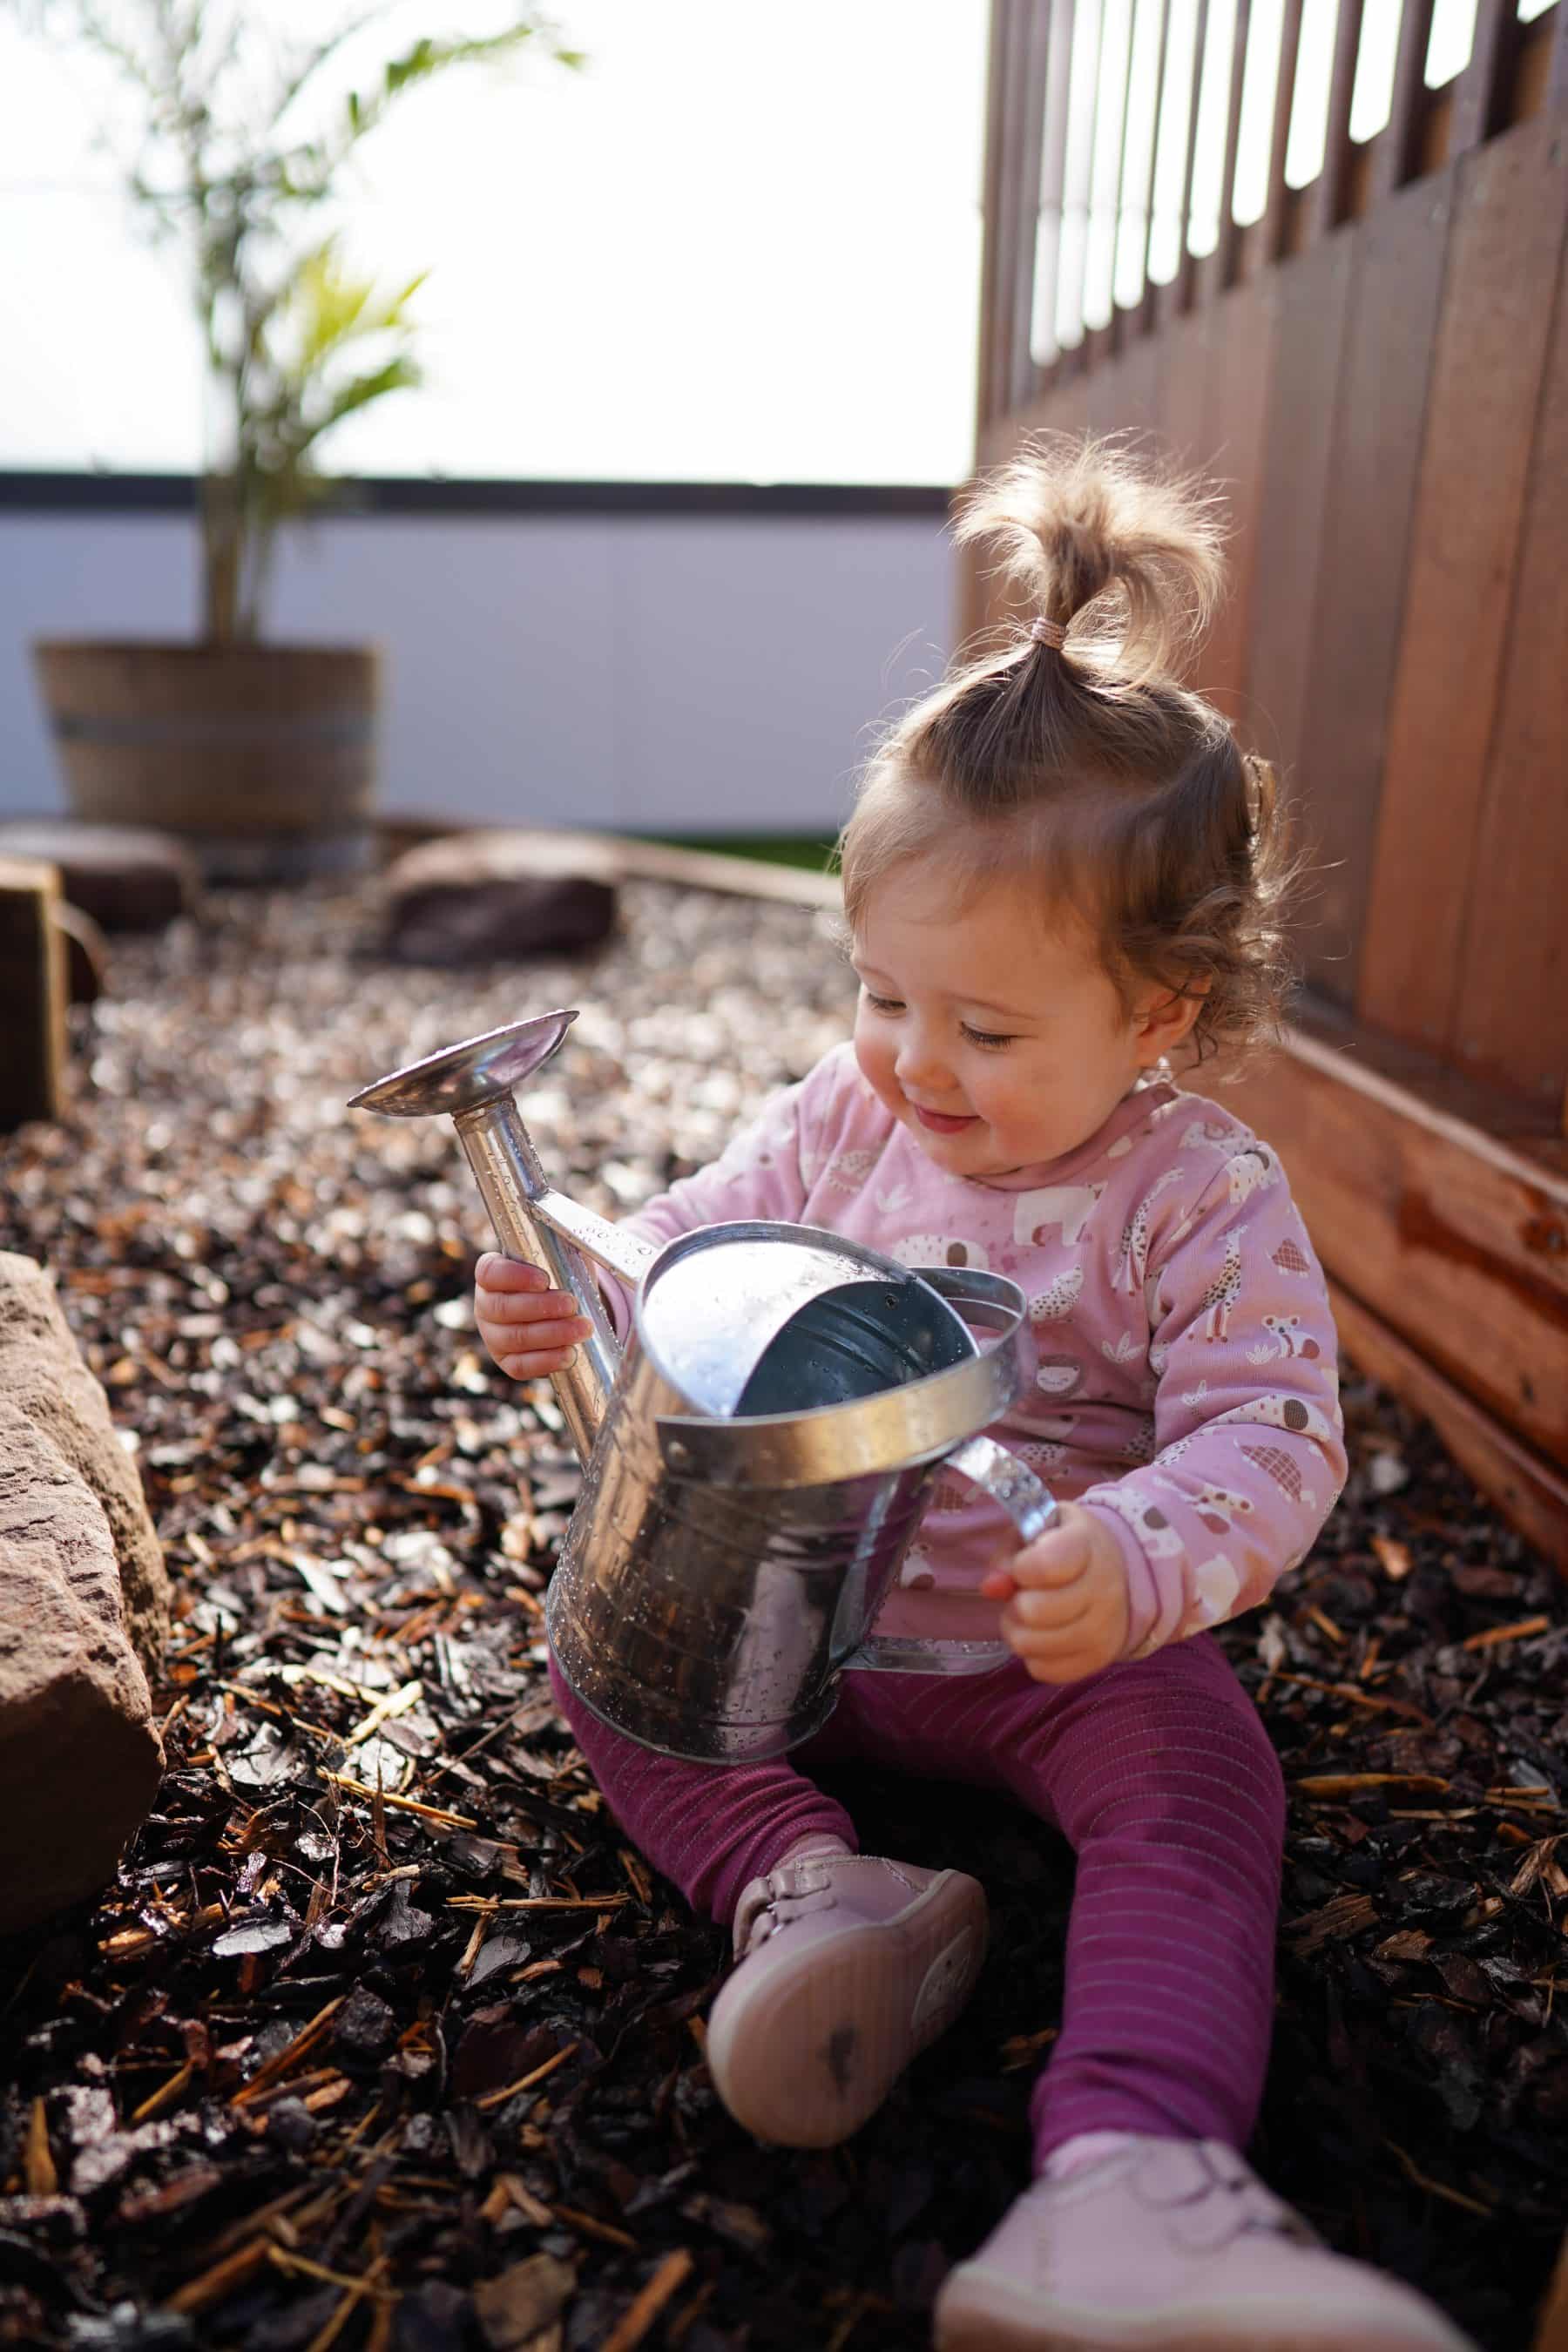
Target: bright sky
[(742, 245)]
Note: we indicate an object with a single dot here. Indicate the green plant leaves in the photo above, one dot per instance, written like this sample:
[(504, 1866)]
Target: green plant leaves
[(294, 346)]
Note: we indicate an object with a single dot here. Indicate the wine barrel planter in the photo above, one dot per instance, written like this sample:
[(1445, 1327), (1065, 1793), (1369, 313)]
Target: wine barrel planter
[(260, 757)]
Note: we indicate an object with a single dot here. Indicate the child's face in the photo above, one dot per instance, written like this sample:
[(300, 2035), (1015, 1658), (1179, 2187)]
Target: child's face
[(990, 1031)]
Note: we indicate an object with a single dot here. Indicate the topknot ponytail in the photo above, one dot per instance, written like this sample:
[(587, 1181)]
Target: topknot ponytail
[(1070, 755), (1085, 535)]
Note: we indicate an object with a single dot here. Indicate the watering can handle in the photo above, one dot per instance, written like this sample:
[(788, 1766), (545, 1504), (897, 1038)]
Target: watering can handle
[(1030, 1505)]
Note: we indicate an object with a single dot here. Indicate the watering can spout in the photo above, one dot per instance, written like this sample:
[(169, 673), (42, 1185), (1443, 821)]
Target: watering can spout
[(473, 1083)]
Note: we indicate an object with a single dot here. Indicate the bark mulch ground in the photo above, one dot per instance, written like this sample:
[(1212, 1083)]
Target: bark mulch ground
[(384, 2037)]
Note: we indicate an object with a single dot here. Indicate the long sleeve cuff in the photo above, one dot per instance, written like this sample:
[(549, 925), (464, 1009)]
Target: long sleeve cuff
[(1142, 1589)]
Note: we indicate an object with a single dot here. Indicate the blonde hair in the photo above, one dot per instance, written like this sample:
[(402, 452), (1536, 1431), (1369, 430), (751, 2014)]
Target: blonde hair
[(1081, 762)]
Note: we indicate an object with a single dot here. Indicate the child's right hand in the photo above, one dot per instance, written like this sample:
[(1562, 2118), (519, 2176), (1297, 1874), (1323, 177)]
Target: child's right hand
[(529, 1329)]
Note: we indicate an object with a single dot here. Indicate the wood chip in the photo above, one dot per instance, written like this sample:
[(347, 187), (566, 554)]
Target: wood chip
[(640, 2313)]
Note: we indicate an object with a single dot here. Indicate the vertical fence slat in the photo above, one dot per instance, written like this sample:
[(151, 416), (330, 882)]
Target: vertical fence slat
[(1309, 338), (1327, 200), (1513, 995), (1169, 70), (1162, 67), (1053, 169), (1393, 159), (1241, 376), (1035, 33), (1012, 16), (1081, 195), (1505, 246), (1219, 270), (989, 402), (1106, 172), (1184, 284), (1366, 534), (1284, 106), (1479, 98), (1008, 247), (1121, 321), (1189, 418)]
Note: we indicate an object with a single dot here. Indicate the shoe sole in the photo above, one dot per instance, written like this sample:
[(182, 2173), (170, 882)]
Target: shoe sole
[(980, 2318), (844, 2020)]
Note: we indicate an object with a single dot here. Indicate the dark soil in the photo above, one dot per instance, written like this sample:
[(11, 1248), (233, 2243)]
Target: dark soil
[(384, 2037)]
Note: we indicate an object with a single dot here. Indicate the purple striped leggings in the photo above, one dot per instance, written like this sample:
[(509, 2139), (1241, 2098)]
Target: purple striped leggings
[(1163, 1778)]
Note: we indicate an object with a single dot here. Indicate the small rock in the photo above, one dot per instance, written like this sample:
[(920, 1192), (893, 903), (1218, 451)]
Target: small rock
[(522, 2300), (1386, 1472), (488, 898), (291, 2126), (127, 877), (364, 2026)]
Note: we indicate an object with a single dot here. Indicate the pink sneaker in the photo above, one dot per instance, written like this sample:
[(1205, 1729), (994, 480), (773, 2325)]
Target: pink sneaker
[(1173, 2246), (847, 1966)]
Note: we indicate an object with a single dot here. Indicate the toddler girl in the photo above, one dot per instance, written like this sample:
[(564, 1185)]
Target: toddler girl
[(1060, 871)]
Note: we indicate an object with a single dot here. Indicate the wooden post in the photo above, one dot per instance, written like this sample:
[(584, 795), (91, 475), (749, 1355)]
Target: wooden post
[(32, 994)]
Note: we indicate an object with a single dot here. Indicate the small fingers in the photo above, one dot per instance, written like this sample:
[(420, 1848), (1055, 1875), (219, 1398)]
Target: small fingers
[(1050, 1613), (536, 1363), (1051, 1560), (553, 1338), (509, 1310), (498, 1274)]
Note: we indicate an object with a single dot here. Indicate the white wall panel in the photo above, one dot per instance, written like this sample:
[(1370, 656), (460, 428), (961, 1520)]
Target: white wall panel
[(650, 672)]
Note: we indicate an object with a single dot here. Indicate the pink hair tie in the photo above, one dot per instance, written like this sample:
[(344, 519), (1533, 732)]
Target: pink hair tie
[(1048, 632)]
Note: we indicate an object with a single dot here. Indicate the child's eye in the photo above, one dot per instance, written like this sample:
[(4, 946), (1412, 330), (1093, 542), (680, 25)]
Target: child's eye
[(984, 1036), (883, 1003)]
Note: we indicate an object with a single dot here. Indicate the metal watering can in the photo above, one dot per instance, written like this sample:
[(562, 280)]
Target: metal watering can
[(759, 1454)]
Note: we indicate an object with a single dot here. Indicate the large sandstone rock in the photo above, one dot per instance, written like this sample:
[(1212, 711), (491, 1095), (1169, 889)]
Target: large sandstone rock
[(127, 877), (485, 897), (80, 1758), (43, 1376)]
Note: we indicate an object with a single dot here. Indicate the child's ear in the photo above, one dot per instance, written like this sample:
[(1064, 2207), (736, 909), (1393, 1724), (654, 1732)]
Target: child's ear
[(1165, 1017)]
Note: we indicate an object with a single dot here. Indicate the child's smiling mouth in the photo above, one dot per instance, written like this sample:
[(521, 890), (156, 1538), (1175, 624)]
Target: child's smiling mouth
[(941, 1122)]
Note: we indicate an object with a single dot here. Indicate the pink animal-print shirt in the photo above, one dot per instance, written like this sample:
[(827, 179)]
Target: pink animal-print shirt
[(1181, 1346)]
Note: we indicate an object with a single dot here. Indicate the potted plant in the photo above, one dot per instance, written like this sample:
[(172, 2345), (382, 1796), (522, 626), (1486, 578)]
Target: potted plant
[(260, 754)]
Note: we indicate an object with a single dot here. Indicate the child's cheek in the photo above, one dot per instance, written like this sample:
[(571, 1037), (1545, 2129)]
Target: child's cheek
[(875, 1058)]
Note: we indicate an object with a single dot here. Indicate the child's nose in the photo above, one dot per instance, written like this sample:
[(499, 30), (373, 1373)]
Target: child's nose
[(921, 1065)]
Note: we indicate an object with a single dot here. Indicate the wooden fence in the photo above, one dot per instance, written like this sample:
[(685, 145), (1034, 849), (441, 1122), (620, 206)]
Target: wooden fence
[(1340, 289), (1376, 364)]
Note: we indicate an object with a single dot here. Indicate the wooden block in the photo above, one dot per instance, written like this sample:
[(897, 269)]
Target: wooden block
[(1492, 338), (34, 992)]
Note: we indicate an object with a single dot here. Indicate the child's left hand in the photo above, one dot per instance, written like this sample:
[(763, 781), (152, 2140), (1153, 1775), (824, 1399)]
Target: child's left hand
[(1067, 1599)]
